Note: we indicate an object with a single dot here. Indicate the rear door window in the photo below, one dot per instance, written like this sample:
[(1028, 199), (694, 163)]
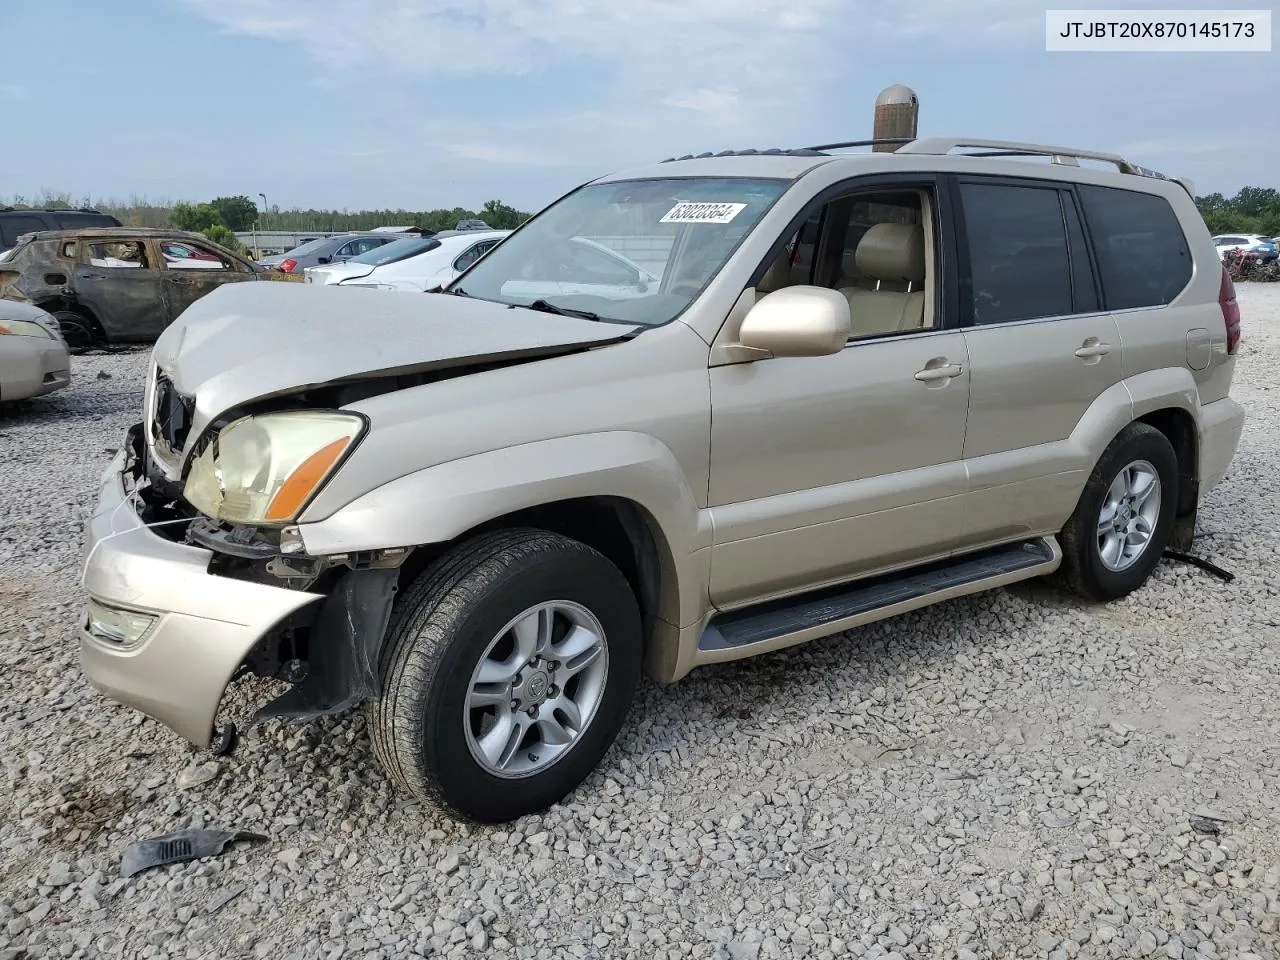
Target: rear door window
[(1018, 258), (1143, 256)]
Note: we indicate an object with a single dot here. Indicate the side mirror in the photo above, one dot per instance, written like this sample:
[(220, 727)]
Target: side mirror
[(797, 322), (322, 259)]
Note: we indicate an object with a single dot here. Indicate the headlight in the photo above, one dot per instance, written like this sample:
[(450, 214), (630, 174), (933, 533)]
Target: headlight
[(265, 469), (26, 328)]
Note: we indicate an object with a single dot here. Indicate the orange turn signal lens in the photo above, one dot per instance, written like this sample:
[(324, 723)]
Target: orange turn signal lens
[(304, 480)]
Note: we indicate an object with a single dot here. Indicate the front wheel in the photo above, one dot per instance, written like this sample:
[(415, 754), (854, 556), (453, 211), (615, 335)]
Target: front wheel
[(1124, 517), (508, 670)]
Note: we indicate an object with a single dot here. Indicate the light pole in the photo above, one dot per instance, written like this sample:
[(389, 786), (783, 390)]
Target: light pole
[(264, 210)]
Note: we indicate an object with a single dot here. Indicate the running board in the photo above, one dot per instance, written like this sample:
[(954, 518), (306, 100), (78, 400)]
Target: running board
[(780, 623)]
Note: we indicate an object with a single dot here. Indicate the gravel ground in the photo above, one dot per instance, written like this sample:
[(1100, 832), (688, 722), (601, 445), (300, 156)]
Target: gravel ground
[(1011, 775)]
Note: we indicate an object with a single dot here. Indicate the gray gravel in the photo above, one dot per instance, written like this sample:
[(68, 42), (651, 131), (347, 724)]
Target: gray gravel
[(1011, 775)]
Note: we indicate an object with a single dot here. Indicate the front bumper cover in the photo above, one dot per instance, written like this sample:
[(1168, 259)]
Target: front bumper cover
[(206, 624)]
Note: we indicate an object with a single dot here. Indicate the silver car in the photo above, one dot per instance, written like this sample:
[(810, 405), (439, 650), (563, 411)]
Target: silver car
[(856, 385), (327, 250), (34, 359)]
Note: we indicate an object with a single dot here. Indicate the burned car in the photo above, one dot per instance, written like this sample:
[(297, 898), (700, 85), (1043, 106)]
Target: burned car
[(117, 285)]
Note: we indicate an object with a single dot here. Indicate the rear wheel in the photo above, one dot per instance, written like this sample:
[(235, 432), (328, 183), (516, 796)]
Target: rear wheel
[(508, 670), (1123, 520)]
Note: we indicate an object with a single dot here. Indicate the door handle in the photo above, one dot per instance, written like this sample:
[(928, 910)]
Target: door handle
[(94, 276), (186, 281), (1093, 347), (943, 371)]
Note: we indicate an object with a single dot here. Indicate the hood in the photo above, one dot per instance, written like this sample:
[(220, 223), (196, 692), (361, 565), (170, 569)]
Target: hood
[(250, 341)]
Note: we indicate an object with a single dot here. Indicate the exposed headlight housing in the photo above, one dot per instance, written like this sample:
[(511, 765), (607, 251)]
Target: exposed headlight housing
[(265, 469), (26, 328)]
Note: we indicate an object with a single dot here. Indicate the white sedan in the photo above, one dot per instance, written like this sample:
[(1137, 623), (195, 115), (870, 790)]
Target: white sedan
[(34, 359), (414, 263)]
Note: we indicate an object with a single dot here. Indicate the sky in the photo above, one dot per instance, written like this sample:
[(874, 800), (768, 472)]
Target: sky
[(419, 104)]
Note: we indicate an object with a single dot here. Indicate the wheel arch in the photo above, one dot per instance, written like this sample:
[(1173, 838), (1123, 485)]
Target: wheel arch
[(1179, 428), (621, 492)]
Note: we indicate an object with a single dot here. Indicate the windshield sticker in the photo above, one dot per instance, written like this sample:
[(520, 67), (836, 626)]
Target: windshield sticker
[(703, 212)]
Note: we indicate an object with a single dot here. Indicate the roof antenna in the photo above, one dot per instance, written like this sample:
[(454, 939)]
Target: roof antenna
[(897, 111)]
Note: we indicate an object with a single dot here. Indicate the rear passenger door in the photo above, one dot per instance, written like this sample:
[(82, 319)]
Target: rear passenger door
[(1041, 352)]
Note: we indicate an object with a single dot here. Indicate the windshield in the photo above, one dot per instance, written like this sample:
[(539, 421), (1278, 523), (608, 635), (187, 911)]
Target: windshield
[(396, 250), (636, 251)]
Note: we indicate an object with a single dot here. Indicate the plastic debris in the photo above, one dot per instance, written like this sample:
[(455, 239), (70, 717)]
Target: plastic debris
[(179, 847)]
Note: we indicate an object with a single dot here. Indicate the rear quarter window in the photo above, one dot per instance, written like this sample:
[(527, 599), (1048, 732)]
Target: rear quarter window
[(75, 220), (1143, 256)]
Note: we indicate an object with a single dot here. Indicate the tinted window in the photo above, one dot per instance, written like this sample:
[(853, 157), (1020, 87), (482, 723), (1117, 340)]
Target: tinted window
[(1018, 257), (13, 226), (1142, 254), (77, 221)]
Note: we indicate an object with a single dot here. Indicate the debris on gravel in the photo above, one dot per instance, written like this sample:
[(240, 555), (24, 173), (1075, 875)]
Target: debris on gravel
[(1011, 775)]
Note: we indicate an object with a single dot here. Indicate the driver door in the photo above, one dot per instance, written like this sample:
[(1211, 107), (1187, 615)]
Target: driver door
[(826, 469)]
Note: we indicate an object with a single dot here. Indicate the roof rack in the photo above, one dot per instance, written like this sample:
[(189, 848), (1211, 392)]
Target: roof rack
[(772, 152), (1071, 156), (860, 143), (942, 146)]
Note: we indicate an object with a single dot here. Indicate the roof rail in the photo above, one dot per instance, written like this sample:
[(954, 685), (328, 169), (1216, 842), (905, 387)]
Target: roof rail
[(861, 143), (1071, 156)]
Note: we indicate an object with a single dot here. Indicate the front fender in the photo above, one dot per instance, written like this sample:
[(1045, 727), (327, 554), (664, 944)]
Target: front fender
[(440, 503)]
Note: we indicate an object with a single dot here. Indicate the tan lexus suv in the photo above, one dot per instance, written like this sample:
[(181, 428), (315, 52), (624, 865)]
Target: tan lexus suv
[(688, 413)]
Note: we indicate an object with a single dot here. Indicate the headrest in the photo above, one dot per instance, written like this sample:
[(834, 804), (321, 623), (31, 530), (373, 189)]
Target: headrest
[(892, 251)]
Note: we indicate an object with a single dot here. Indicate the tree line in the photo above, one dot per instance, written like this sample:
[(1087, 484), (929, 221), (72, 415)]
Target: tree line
[(221, 218), (1251, 210)]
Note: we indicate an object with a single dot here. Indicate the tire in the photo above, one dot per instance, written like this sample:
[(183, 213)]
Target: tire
[(458, 615), (78, 330), (1092, 566)]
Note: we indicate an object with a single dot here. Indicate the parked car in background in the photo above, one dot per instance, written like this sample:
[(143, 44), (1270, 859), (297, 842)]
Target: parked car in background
[(327, 250), (1264, 247), (417, 264), (14, 223), (34, 359), (472, 225), (119, 284)]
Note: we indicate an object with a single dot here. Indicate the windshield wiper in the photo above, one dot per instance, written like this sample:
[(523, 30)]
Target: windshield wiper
[(546, 307)]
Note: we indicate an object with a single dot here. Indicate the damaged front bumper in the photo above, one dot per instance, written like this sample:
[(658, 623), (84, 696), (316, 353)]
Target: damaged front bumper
[(166, 630)]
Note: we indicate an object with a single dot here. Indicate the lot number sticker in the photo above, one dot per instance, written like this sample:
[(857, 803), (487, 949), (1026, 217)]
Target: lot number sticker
[(703, 212)]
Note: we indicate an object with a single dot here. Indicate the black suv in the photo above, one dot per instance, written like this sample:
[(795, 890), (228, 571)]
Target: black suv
[(14, 223)]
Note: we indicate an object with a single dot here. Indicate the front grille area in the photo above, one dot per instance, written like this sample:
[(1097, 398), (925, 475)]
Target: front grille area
[(172, 416)]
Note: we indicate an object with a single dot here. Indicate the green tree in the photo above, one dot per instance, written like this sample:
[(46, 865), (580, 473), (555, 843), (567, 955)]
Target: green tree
[(224, 236), (501, 216), (236, 213), (195, 218)]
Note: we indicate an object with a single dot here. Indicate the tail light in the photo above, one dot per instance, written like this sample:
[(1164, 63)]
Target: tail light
[(1230, 311), (286, 266)]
